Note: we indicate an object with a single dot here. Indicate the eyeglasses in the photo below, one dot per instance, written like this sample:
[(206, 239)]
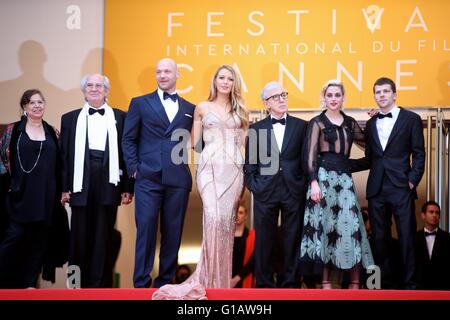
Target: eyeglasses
[(276, 97), (94, 85)]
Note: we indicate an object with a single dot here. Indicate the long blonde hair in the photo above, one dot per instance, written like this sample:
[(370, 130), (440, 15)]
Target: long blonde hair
[(238, 107)]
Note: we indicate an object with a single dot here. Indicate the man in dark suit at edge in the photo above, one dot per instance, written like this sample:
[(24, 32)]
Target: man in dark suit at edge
[(157, 124), (395, 154), (432, 251)]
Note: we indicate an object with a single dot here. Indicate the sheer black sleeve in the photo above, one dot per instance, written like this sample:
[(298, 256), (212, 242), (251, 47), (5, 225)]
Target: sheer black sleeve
[(358, 135), (311, 150), (364, 163)]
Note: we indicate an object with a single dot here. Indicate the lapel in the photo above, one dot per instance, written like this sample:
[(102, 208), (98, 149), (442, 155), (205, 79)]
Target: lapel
[(373, 130), (106, 154), (437, 242), (270, 136), (423, 248), (72, 141), (155, 103), (288, 130), (73, 127), (398, 125)]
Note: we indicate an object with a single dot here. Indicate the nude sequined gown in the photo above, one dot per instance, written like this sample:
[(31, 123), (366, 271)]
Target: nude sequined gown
[(219, 183)]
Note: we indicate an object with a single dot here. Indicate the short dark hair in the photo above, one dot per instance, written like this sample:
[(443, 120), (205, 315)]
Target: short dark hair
[(384, 80), (430, 203), (26, 96)]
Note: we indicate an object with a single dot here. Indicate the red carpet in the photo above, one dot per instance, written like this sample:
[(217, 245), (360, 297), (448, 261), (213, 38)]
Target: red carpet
[(226, 294)]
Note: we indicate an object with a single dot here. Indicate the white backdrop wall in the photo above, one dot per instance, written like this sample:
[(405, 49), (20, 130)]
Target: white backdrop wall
[(49, 45)]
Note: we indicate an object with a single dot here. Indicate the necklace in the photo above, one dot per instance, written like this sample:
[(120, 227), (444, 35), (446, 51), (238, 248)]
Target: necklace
[(18, 156), (37, 125)]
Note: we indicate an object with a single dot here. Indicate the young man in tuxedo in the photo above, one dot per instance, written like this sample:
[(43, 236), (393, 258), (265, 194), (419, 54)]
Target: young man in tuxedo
[(274, 175), (432, 251), (157, 123), (395, 155)]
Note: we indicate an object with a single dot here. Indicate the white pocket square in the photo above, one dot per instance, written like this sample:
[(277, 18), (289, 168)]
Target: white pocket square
[(188, 115)]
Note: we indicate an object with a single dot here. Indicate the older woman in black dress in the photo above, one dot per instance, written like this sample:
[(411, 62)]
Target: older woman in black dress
[(29, 155)]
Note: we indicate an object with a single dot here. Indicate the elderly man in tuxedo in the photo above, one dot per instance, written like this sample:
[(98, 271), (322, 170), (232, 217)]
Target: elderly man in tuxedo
[(274, 175), (95, 181), (154, 144), (395, 154)]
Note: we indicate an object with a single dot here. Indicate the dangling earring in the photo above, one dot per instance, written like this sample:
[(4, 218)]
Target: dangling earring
[(25, 113)]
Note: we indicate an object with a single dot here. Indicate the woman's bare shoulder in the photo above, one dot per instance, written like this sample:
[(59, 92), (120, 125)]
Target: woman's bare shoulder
[(204, 106)]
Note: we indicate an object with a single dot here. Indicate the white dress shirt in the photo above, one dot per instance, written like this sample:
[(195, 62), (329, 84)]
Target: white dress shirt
[(430, 241), (385, 125), (97, 131), (169, 105), (278, 131)]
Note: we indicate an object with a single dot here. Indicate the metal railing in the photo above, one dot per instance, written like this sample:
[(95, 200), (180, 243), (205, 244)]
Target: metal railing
[(441, 170)]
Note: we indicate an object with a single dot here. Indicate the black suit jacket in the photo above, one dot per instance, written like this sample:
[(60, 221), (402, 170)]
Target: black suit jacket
[(111, 194), (263, 159), (433, 273), (403, 159)]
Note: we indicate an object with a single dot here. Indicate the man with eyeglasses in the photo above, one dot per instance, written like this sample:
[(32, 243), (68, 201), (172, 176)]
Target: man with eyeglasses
[(95, 181), (275, 177)]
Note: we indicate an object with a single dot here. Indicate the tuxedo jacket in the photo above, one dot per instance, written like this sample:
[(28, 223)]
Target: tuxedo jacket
[(264, 161), (433, 273), (402, 160), (154, 147), (111, 194)]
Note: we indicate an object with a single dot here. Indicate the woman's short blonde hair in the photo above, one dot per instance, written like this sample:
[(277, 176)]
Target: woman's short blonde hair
[(330, 83)]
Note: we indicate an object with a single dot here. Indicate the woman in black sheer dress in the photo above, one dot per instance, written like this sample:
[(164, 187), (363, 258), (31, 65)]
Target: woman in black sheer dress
[(333, 231)]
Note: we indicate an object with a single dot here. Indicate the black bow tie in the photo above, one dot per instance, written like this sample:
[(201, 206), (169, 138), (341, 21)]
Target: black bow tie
[(94, 110), (387, 115), (280, 121), (430, 233), (173, 96)]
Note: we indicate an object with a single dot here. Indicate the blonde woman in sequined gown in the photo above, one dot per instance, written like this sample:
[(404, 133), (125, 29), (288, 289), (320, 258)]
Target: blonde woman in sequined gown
[(221, 122)]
